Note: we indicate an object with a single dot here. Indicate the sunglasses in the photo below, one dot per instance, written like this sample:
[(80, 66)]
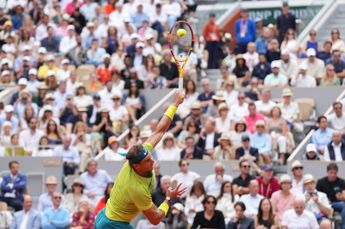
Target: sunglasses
[(296, 168), (78, 185), (210, 202), (57, 197), (115, 99), (246, 166)]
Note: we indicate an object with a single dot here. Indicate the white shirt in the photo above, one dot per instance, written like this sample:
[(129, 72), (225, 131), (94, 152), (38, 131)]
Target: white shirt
[(288, 69), (303, 81), (290, 111), (314, 207), (67, 43), (230, 97), (336, 123), (265, 107), (315, 69), (297, 188), (172, 9), (82, 101), (252, 204), (212, 185), (187, 180), (193, 202), (106, 100), (239, 111), (252, 59), (224, 126), (118, 114), (111, 155), (172, 154), (28, 140), (337, 153), (305, 221), (209, 141), (95, 183), (24, 220)]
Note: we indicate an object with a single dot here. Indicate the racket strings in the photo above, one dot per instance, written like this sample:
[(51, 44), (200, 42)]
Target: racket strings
[(182, 45)]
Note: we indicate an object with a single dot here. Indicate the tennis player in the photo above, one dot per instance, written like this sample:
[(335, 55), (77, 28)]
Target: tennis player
[(135, 182)]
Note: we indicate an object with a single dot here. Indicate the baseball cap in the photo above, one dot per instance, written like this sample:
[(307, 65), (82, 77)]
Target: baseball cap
[(245, 138), (65, 61), (32, 71), (5, 73), (311, 148), (134, 36), (112, 139), (311, 52), (8, 108), (275, 64), (303, 66), (70, 27), (51, 73), (23, 81), (42, 50), (140, 45)]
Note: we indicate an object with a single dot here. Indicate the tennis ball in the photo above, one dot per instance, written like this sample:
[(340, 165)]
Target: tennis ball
[(181, 33)]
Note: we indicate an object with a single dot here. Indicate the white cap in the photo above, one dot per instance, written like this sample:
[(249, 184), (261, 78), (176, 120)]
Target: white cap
[(65, 17), (26, 47), (70, 27), (5, 73), (23, 81), (106, 56), (134, 36), (47, 107), (307, 178), (295, 164), (42, 50), (65, 61), (303, 66), (148, 36), (90, 24), (275, 64), (49, 57), (311, 52), (51, 73), (116, 94), (285, 178), (5, 61), (8, 108), (49, 96), (140, 45), (7, 123), (285, 52), (311, 148), (32, 71), (26, 58)]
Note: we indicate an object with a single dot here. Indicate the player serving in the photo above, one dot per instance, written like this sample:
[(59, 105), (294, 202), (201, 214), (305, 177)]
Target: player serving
[(135, 182)]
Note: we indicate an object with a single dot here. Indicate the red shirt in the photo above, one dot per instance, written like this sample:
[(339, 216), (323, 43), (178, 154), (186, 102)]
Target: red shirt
[(86, 224), (250, 121), (101, 204), (211, 32), (267, 190), (104, 73)]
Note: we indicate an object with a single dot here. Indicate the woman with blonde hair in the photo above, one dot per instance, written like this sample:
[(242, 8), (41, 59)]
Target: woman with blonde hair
[(225, 150), (330, 78), (290, 43), (82, 141), (169, 151), (337, 42)]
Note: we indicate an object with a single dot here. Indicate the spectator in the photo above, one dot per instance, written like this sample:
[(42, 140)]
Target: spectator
[(241, 220), (70, 156), (168, 69), (246, 151), (45, 199), (323, 135), (83, 217), (283, 199), (226, 78), (263, 41), (71, 200), (241, 183), (191, 150), (303, 79), (316, 201), (240, 108), (330, 78), (273, 52), (134, 102), (311, 42), (29, 139), (169, 150), (326, 53), (213, 182), (288, 65), (252, 199), (335, 150), (159, 194), (285, 22), (28, 217), (253, 117), (6, 217), (179, 219), (253, 92), (337, 42), (105, 70), (315, 66), (205, 97), (338, 63), (262, 141), (299, 217), (245, 31), (268, 184), (289, 109), (209, 217), (230, 93), (290, 43), (48, 66), (95, 181), (336, 120), (265, 104), (56, 217), (209, 137), (217, 99), (261, 69), (311, 153), (68, 42), (212, 36), (10, 117), (194, 200), (251, 56), (297, 180), (102, 202), (13, 187), (95, 54), (275, 79), (225, 121), (265, 217), (225, 150), (14, 149), (185, 176), (241, 70), (113, 152), (192, 130), (334, 187), (226, 201)]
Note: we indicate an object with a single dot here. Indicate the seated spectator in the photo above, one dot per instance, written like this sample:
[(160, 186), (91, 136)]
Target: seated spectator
[(29, 138), (334, 187), (246, 151), (102, 202), (316, 201), (225, 150), (252, 199), (265, 217), (70, 156), (191, 150), (10, 116), (213, 182), (95, 54), (262, 141), (251, 56), (105, 70), (71, 200), (6, 218), (311, 43), (6, 133), (290, 43), (192, 130), (226, 77), (191, 96), (283, 199), (168, 69), (302, 78), (95, 181), (230, 93), (217, 99), (298, 217), (337, 42), (205, 97), (209, 137), (297, 179), (240, 129), (133, 136), (81, 98), (155, 80), (315, 66), (114, 152), (275, 79), (326, 53), (241, 70), (185, 176), (83, 217), (168, 151), (335, 150), (273, 52), (14, 149), (337, 62), (49, 65), (311, 153), (194, 200), (241, 183), (226, 201), (45, 199), (44, 150), (262, 69), (159, 195), (240, 220), (177, 219), (28, 217), (322, 136), (288, 65), (252, 118), (240, 108), (209, 217), (56, 217), (13, 187), (336, 120), (330, 78), (253, 93), (134, 102), (289, 109), (268, 184)]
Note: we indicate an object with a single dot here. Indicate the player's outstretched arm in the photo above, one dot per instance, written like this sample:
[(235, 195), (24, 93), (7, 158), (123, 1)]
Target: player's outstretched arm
[(165, 121), (154, 214)]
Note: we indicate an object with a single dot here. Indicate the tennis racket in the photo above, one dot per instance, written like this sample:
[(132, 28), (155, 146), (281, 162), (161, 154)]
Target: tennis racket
[(181, 43)]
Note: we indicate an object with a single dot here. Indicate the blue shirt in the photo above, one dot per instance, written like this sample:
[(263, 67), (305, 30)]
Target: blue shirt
[(321, 138), (95, 58), (263, 142), (68, 155), (56, 218), (250, 31), (13, 187), (138, 19), (261, 45)]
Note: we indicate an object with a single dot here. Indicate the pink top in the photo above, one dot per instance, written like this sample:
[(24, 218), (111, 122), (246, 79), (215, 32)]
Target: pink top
[(250, 121), (282, 203)]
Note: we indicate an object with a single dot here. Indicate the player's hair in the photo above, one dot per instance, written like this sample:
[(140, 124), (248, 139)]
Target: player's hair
[(133, 152)]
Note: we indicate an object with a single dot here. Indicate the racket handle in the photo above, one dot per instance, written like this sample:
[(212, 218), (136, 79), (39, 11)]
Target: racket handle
[(180, 83)]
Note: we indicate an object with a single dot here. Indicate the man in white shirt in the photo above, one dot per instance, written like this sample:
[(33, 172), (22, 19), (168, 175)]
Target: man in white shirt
[(230, 94), (45, 199), (106, 94), (29, 138), (240, 109), (297, 180), (251, 56), (335, 150), (288, 66), (289, 109), (252, 199), (336, 120), (299, 217), (185, 176), (315, 201), (265, 104), (302, 79), (214, 181), (68, 42), (315, 66), (113, 152)]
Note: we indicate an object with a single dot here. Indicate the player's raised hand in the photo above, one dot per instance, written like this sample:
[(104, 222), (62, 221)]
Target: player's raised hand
[(176, 192), (179, 97)]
